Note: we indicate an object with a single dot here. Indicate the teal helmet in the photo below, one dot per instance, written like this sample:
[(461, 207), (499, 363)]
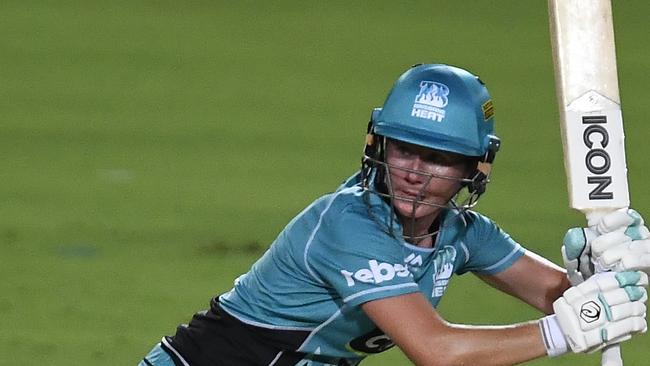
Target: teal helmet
[(440, 107)]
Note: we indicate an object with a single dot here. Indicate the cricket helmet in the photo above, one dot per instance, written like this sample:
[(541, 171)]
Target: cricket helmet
[(440, 107)]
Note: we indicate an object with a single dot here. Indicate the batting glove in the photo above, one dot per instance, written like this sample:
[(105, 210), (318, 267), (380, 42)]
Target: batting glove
[(605, 309), (619, 241)]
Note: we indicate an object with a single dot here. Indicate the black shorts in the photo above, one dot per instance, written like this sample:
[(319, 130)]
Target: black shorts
[(215, 338)]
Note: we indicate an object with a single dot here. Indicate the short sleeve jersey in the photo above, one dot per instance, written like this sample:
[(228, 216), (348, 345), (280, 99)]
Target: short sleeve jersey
[(338, 254)]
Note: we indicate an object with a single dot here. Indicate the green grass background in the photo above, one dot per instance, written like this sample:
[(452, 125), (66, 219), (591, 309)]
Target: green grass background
[(150, 150)]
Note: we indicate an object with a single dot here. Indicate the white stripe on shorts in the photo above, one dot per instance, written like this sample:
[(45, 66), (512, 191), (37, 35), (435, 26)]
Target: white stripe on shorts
[(164, 341)]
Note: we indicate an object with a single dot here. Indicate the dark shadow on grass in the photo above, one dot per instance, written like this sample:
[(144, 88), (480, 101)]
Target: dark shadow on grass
[(10, 236), (221, 247)]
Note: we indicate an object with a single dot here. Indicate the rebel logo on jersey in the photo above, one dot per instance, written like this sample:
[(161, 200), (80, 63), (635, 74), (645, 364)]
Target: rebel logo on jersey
[(413, 260), (377, 273)]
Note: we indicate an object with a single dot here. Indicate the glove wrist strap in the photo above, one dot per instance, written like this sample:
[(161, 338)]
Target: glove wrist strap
[(554, 341)]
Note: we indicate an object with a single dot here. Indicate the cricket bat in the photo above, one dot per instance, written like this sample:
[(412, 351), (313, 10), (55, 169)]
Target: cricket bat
[(582, 37)]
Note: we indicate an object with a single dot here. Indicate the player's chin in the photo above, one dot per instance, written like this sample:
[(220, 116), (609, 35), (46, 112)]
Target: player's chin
[(405, 209)]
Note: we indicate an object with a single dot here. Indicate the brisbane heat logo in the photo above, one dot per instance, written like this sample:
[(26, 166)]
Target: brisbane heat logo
[(431, 101), (444, 269)]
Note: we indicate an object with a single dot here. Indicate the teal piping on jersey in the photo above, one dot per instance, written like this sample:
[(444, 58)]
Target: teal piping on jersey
[(505, 259), (313, 235), (370, 291), (320, 326)]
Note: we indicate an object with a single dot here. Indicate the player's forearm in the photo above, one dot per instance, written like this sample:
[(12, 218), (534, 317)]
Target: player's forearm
[(429, 340), (489, 345), (533, 279)]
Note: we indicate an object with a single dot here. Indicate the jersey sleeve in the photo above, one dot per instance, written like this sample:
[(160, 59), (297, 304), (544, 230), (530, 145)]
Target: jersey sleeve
[(487, 248), (359, 261)]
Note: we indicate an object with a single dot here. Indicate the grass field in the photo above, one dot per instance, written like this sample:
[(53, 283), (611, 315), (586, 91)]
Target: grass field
[(150, 150)]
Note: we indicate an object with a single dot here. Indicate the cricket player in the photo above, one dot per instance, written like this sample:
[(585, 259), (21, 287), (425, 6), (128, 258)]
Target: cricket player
[(363, 268)]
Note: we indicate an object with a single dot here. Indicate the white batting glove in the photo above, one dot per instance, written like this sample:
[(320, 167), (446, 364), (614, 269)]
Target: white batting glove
[(623, 251), (605, 309), (619, 241)]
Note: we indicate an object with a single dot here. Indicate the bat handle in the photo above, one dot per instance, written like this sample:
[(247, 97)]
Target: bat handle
[(612, 356)]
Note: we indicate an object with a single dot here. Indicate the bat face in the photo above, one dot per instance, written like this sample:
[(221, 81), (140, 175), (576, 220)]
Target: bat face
[(582, 36), (594, 153)]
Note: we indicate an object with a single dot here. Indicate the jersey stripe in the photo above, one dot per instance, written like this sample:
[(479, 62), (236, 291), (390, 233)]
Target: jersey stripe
[(384, 288), (311, 239), (321, 326), (514, 251)]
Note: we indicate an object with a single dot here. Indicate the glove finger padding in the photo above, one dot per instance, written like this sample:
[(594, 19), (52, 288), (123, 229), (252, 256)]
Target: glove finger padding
[(635, 261), (628, 310), (627, 255), (576, 250), (606, 308), (617, 241), (637, 232), (623, 296), (623, 328), (617, 220), (634, 234), (609, 241), (607, 281)]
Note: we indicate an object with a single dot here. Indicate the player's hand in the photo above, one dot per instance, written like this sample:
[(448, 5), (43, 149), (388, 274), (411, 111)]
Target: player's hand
[(607, 308), (619, 241)]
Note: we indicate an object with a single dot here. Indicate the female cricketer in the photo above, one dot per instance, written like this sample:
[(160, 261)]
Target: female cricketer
[(363, 268)]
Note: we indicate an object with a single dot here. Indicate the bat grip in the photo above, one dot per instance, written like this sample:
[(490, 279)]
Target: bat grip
[(612, 356)]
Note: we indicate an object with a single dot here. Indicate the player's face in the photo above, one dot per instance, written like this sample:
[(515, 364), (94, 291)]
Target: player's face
[(422, 174)]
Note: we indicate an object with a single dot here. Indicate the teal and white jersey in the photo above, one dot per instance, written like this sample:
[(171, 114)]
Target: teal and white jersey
[(337, 254)]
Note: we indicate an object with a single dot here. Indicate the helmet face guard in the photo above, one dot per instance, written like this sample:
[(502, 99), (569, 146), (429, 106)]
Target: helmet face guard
[(438, 107), (376, 179)]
